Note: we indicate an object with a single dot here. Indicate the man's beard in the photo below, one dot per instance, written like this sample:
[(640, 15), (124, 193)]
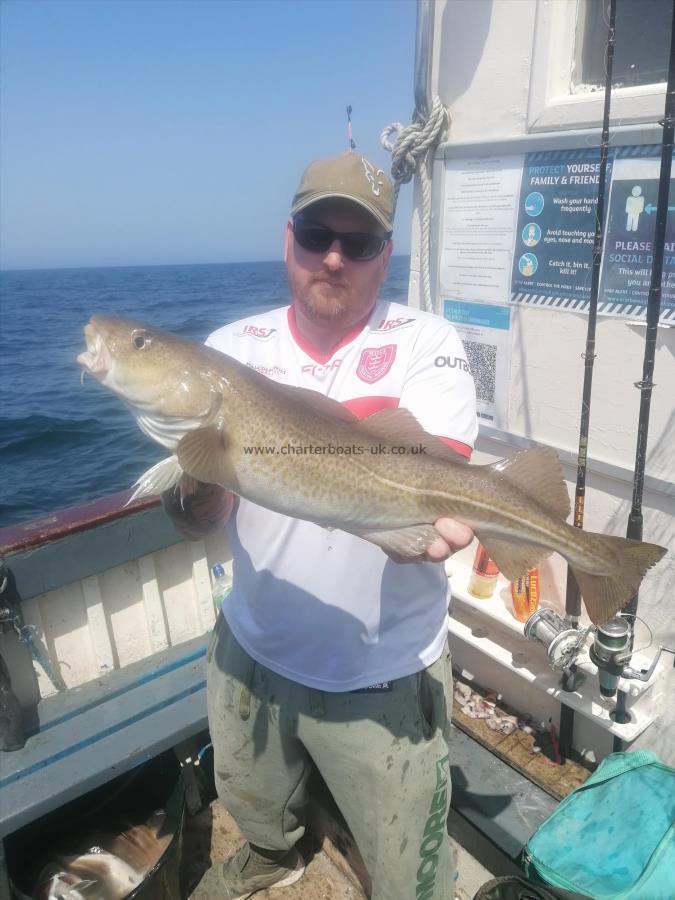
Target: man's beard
[(321, 305)]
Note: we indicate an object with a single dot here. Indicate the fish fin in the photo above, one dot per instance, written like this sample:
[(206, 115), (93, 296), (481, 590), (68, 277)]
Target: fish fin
[(537, 473), (162, 476), (203, 455), (187, 487), (410, 541), (605, 595), (511, 558), (401, 427)]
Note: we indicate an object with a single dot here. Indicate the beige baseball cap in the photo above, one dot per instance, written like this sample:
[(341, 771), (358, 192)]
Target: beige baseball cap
[(351, 177)]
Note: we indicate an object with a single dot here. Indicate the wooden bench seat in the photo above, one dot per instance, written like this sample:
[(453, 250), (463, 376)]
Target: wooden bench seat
[(90, 734)]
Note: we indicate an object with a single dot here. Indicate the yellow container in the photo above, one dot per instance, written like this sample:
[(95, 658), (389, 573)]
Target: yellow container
[(484, 574)]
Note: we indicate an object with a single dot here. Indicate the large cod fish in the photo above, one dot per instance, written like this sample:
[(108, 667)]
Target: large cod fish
[(227, 424)]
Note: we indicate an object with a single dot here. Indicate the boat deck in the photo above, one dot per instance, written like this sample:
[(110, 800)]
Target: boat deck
[(211, 836)]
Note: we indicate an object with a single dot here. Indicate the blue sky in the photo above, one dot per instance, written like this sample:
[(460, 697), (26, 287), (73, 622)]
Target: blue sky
[(175, 131)]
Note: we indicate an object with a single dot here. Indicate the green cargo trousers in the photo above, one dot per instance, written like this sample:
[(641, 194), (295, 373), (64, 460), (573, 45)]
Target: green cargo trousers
[(383, 753)]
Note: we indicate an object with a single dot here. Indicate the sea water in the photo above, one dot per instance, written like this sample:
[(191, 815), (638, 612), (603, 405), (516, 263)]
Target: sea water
[(62, 443)]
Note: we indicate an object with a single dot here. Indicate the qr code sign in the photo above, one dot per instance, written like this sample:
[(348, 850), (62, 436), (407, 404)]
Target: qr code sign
[(482, 359)]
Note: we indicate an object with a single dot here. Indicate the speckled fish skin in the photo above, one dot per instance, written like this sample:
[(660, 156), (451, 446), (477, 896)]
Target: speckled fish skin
[(207, 408)]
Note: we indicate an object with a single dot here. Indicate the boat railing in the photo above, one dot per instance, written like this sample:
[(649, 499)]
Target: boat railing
[(101, 586), (106, 615)]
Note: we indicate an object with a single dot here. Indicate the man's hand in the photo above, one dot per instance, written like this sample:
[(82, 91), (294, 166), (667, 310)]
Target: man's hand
[(454, 536), (200, 513)]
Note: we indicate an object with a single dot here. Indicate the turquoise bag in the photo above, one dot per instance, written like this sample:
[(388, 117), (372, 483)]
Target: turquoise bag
[(612, 838)]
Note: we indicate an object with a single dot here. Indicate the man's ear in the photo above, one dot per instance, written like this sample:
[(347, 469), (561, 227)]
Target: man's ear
[(385, 256), (288, 237)]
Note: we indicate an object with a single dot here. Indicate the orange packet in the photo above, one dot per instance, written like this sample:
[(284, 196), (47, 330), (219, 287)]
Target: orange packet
[(525, 595)]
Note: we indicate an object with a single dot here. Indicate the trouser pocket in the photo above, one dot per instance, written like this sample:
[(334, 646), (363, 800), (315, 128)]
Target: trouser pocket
[(434, 696), (213, 639)]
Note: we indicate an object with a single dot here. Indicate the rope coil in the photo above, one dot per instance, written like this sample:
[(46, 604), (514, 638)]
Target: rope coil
[(412, 152)]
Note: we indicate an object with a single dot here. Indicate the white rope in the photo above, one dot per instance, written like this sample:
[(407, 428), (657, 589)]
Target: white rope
[(412, 152)]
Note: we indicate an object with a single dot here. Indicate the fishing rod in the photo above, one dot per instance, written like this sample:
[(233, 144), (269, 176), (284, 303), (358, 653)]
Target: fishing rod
[(646, 385), (572, 593), (350, 137)]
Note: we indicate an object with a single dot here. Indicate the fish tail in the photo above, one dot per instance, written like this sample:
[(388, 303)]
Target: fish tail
[(605, 595)]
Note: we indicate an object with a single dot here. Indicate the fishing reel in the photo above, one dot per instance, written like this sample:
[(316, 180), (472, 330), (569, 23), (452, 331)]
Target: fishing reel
[(563, 643), (610, 651)]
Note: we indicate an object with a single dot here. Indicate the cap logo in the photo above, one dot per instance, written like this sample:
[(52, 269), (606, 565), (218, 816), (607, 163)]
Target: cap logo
[(372, 174)]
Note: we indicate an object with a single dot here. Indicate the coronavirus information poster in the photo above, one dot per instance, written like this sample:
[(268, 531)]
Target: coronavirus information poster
[(478, 222), (520, 228), (556, 225), (629, 249)]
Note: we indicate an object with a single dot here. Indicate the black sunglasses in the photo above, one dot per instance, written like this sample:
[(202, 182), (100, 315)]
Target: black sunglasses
[(359, 246)]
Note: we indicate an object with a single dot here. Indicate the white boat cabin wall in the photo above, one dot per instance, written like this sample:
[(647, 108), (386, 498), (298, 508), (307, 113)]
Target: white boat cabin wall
[(523, 81)]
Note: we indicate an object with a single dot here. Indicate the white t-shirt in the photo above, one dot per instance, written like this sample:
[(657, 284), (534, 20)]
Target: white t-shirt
[(323, 607)]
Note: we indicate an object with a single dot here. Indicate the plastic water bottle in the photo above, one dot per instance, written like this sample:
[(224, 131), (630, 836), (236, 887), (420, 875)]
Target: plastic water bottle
[(222, 585)]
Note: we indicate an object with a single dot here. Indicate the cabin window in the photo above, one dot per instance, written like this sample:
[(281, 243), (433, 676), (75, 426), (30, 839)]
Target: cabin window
[(640, 49), (568, 68)]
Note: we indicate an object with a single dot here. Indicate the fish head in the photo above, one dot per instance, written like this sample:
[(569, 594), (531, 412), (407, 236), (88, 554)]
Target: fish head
[(150, 369)]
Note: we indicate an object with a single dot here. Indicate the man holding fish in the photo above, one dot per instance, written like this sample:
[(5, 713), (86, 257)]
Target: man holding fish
[(342, 425), (329, 650)]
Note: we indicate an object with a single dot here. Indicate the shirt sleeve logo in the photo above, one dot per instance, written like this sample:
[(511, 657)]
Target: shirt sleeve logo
[(375, 362), (256, 331), (390, 324)]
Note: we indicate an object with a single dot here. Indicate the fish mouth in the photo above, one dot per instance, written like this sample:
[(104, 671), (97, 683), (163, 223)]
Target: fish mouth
[(96, 359)]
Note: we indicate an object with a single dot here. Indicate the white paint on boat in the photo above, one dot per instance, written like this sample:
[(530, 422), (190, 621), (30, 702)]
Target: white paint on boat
[(119, 616), (504, 71)]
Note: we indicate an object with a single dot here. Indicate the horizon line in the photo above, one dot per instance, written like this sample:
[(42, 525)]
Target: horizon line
[(244, 262)]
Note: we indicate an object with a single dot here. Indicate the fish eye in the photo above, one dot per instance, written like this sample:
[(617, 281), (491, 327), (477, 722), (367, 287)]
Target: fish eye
[(141, 339)]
